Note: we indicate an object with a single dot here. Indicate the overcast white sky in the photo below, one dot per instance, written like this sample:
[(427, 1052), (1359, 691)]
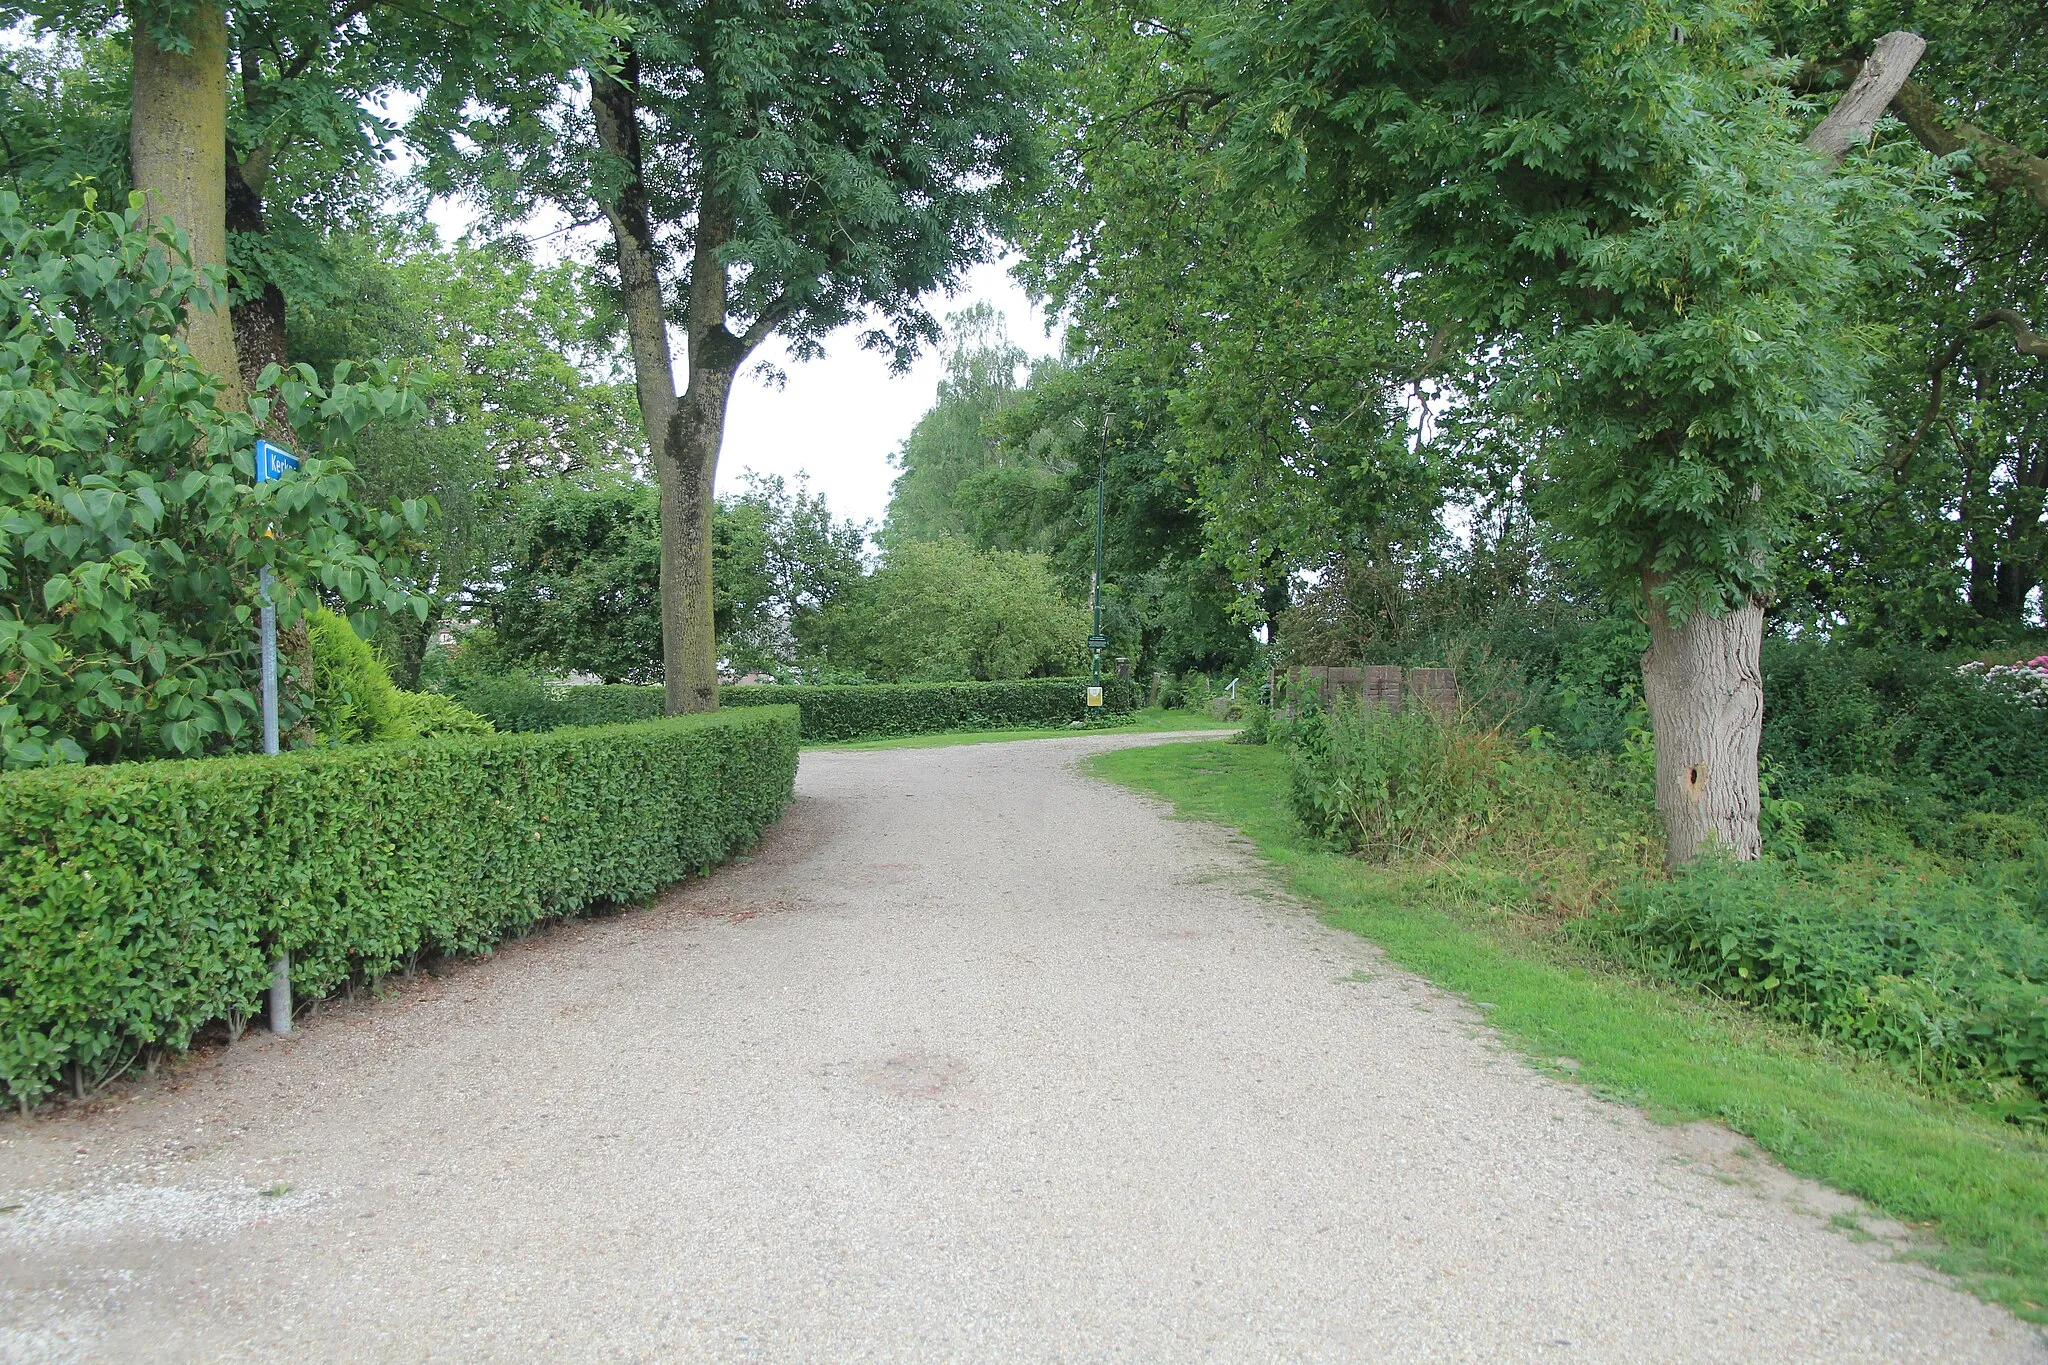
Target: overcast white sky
[(842, 417)]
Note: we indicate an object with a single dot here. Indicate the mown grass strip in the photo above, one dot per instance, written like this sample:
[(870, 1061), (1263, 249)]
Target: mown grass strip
[(1977, 1187)]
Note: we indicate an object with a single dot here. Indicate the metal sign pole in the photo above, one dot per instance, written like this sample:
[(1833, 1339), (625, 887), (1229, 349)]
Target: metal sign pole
[(271, 463)]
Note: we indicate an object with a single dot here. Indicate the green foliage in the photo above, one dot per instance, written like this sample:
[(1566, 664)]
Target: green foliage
[(858, 155), (131, 532), (1670, 277), (959, 481), (1243, 353), (1943, 976), (518, 387), (147, 900), (520, 703), (1392, 784), (942, 611), (582, 590), (353, 701), (1889, 750), (429, 715), (778, 563)]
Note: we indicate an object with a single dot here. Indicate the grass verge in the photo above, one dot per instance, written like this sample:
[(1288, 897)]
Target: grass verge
[(1977, 1187), (1151, 722)]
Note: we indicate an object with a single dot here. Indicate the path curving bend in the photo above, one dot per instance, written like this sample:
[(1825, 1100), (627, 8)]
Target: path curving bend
[(977, 1058)]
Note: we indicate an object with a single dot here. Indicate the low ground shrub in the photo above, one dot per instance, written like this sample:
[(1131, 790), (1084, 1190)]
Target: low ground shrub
[(830, 712), (429, 715), (1947, 976), (1389, 784), (145, 900)]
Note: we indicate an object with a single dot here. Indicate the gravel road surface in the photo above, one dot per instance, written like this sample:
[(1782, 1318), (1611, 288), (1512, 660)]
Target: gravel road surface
[(977, 1058)]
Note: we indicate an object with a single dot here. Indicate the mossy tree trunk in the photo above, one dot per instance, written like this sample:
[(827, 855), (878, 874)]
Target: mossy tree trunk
[(178, 148)]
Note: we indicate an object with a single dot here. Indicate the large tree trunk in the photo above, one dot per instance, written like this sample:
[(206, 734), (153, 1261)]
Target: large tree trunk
[(689, 651), (177, 142), (683, 435), (1703, 683)]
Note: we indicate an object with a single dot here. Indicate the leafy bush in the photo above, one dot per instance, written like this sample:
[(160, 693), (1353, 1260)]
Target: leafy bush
[(1948, 977), (131, 532), (830, 712), (1388, 784), (145, 900), (944, 611), (429, 715), (1889, 752), (353, 698), (1258, 718)]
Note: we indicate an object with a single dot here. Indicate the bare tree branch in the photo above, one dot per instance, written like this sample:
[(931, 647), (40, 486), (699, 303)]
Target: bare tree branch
[(1849, 123)]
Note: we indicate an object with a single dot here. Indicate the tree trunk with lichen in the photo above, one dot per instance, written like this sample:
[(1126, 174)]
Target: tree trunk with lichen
[(177, 144), (1703, 684)]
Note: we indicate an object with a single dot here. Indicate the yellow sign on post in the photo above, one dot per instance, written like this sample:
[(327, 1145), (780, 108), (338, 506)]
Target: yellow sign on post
[(1094, 696)]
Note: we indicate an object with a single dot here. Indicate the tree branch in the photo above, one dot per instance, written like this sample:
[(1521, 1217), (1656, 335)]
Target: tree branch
[(2003, 164), (2025, 339), (1849, 123), (1937, 370)]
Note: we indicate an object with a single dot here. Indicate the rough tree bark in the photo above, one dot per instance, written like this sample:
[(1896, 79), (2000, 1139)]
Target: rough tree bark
[(1703, 683), (259, 322), (1849, 123), (684, 432), (1703, 677), (2002, 164), (179, 113)]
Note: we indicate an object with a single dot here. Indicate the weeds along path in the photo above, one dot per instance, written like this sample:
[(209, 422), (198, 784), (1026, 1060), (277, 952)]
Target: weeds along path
[(976, 1058)]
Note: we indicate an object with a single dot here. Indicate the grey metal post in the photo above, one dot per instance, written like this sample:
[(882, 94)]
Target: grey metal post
[(281, 970), (266, 634)]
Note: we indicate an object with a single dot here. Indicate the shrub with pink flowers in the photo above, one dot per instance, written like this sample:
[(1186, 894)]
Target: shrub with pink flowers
[(2026, 681)]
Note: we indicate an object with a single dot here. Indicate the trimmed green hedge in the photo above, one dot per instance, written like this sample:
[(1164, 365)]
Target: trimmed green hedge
[(866, 711), (141, 901), (883, 709)]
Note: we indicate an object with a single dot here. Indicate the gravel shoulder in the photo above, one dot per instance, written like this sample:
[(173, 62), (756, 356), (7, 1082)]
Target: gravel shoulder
[(975, 1057)]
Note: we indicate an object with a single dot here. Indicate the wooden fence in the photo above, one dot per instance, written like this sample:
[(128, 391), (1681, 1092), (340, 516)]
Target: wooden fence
[(1373, 685)]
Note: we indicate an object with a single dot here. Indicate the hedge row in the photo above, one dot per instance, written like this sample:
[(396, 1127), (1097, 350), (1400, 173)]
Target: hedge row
[(139, 902), (865, 711)]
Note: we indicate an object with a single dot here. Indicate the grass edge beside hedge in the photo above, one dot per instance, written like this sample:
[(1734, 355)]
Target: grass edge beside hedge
[(1976, 1187)]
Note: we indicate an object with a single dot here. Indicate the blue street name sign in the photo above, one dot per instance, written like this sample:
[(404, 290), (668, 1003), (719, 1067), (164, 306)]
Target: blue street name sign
[(273, 462)]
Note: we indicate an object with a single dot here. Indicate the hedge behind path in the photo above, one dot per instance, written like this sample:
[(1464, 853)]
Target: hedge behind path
[(141, 901), (830, 713)]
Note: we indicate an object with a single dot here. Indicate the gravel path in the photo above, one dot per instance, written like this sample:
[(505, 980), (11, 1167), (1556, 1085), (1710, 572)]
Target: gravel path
[(977, 1058)]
